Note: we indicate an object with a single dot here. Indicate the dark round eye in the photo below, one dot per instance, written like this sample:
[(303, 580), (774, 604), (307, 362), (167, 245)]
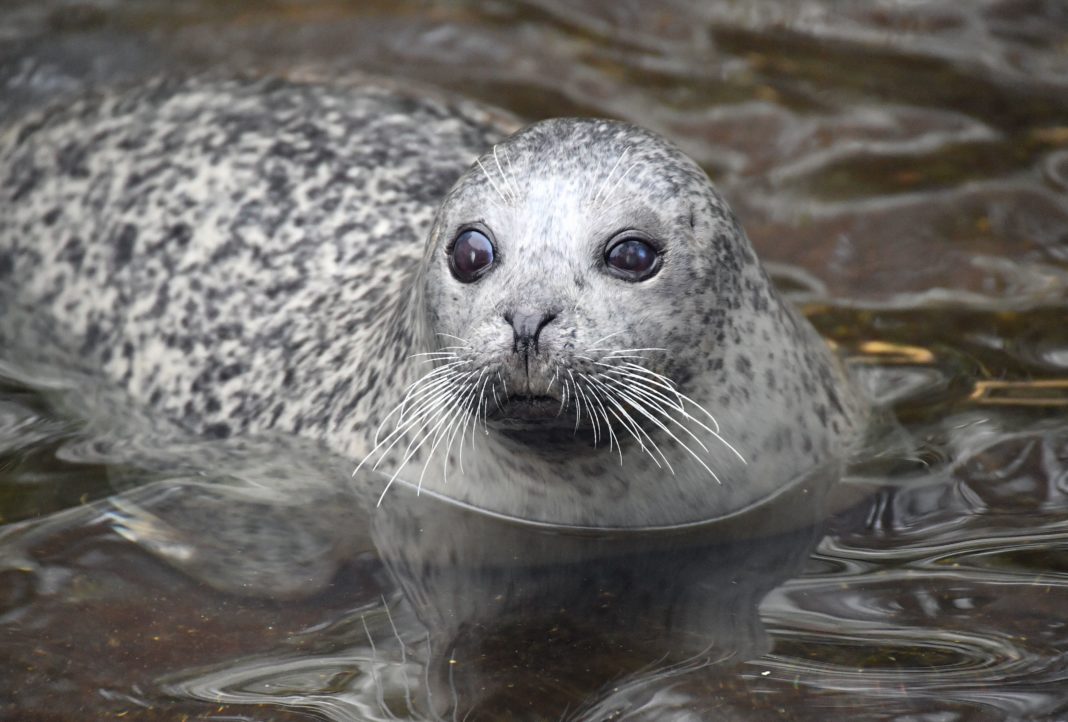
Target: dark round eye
[(632, 258), (471, 255)]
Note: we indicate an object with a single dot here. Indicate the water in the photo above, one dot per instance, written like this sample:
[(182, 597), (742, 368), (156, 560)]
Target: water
[(903, 166)]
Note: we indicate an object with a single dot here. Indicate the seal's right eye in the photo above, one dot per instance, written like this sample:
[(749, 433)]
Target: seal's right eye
[(632, 258), (471, 255)]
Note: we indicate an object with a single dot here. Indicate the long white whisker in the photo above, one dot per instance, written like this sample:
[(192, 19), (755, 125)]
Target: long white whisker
[(504, 177), (422, 395), (511, 175), (578, 405), (611, 433), (468, 421), (654, 398), (460, 423), (650, 376), (622, 176), (483, 403), (605, 338), (663, 382), (612, 370), (454, 410), (611, 171), (552, 380), (591, 411), (420, 387), (491, 181), (626, 394), (435, 373), (632, 426), (612, 353), (426, 407), (414, 445)]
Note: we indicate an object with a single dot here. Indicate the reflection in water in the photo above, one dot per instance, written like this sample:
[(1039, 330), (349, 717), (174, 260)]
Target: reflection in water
[(494, 613), (479, 618), (905, 163), (508, 607)]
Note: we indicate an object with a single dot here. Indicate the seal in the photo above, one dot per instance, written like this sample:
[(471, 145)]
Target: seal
[(571, 329)]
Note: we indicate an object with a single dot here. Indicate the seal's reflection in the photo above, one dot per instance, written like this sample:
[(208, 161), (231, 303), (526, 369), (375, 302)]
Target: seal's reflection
[(529, 621)]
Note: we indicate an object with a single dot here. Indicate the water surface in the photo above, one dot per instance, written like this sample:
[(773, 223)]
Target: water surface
[(904, 168)]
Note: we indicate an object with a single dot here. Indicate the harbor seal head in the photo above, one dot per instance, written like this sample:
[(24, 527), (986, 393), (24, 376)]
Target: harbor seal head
[(590, 304)]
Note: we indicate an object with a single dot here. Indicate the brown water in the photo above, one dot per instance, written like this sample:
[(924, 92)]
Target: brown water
[(903, 166)]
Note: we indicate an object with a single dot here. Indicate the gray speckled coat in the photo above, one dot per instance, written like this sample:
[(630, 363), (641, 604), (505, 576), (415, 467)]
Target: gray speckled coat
[(250, 257)]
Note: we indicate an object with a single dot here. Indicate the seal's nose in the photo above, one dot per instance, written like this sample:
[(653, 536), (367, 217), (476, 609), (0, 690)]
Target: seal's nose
[(526, 330)]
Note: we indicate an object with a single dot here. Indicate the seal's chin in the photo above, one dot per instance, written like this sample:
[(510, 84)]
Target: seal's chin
[(521, 411)]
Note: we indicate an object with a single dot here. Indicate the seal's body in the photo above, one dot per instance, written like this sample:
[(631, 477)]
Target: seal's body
[(582, 326)]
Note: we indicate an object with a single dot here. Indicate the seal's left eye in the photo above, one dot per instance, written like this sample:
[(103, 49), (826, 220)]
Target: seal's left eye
[(471, 255), (632, 258)]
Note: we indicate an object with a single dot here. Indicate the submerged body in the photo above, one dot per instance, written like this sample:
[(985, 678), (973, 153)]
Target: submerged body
[(573, 329)]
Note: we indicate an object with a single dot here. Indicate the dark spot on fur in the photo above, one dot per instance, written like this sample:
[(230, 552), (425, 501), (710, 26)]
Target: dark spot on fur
[(744, 366), (71, 161), (217, 431), (124, 244), (179, 233), (230, 371), (93, 336)]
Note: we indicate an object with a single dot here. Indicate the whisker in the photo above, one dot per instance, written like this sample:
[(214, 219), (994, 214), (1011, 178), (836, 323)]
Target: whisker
[(426, 407), (632, 426), (578, 406), (413, 448), (465, 407), (513, 192), (592, 412), (564, 393), (611, 433), (511, 175), (611, 171), (455, 409), (552, 380), (605, 338), (618, 371), (634, 402), (612, 352), (423, 393), (662, 381), (491, 181), (622, 176), (468, 421), (654, 398)]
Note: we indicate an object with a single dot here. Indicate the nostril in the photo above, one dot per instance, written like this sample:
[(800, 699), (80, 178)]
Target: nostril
[(527, 327), (545, 321)]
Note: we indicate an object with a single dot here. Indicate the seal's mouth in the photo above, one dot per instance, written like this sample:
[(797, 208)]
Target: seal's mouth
[(525, 408)]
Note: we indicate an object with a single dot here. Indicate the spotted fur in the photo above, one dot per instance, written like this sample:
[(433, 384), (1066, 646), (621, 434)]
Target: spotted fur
[(269, 257)]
